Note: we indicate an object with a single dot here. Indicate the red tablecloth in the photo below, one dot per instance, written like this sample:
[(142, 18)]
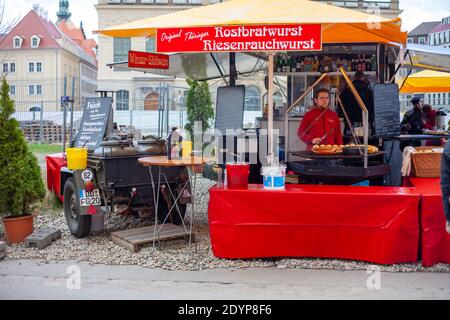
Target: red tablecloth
[(376, 224), (435, 241), (54, 164)]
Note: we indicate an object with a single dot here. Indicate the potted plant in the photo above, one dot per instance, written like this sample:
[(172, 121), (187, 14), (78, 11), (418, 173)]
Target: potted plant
[(21, 183)]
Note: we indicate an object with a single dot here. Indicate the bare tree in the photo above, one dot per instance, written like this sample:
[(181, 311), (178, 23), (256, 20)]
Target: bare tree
[(6, 26)]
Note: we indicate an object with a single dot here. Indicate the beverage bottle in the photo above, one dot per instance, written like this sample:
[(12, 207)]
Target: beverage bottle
[(299, 64), (293, 65), (287, 68), (374, 63), (278, 64), (368, 64)]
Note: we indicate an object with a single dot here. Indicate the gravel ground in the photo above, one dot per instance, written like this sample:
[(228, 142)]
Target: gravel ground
[(175, 254)]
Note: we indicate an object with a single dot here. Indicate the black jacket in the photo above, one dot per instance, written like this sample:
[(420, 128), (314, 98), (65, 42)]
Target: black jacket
[(414, 118), (445, 179), (351, 106)]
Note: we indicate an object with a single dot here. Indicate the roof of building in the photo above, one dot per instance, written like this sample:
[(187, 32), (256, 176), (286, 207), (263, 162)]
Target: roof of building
[(424, 28), (77, 35), (32, 24), (440, 28)]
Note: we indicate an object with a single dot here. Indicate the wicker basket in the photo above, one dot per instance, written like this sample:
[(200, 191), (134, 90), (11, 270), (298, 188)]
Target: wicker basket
[(426, 165)]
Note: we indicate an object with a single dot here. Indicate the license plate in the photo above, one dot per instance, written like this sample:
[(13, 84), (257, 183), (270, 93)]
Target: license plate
[(88, 198)]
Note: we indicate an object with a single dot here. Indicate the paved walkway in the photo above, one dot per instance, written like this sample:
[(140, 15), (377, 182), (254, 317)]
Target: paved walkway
[(29, 279)]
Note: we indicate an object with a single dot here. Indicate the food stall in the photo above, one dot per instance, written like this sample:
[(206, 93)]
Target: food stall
[(376, 224), (434, 239)]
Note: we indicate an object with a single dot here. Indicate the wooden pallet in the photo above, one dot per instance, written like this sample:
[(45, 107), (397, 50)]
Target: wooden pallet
[(132, 239)]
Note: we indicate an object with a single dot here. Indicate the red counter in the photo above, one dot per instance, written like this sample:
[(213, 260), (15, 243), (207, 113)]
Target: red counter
[(375, 224), (54, 164), (435, 241)]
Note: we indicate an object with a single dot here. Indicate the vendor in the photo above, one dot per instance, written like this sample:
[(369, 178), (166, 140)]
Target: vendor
[(413, 123), (320, 125), (363, 87)]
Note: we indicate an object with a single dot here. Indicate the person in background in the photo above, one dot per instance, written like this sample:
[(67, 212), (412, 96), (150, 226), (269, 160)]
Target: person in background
[(354, 112), (445, 183), (320, 125), (429, 116), (412, 123)]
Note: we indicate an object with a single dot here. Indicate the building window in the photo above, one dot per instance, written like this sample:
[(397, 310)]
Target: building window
[(31, 90), (12, 67), (422, 40), (121, 48), (5, 67), (34, 42), (30, 66), (38, 66), (252, 99), (410, 40), (38, 89), (122, 100), (12, 90), (150, 45), (17, 42)]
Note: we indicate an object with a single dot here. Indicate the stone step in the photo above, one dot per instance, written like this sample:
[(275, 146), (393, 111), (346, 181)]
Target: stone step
[(38, 240)]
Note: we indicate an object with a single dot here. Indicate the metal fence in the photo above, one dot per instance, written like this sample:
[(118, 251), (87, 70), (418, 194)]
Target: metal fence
[(142, 106)]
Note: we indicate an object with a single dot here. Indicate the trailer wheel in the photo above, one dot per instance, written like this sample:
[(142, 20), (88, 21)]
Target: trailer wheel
[(79, 225), (163, 209), (176, 216)]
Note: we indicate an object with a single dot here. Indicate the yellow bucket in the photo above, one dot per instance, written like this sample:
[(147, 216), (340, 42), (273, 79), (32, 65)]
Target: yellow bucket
[(186, 146), (76, 158)]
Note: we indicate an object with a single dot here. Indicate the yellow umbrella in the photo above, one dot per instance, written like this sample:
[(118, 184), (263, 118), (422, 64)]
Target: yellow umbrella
[(426, 81), (339, 25)]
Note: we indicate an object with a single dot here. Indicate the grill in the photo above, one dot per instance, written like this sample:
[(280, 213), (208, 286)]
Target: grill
[(335, 156), (338, 169)]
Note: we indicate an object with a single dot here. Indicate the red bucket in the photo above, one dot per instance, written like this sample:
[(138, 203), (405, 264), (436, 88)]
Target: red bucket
[(237, 175)]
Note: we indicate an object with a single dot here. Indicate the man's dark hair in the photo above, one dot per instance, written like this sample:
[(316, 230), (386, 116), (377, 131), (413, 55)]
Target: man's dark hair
[(426, 108), (316, 94), (359, 75)]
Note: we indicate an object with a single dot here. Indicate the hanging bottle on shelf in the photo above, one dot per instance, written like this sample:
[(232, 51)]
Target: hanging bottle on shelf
[(278, 63), (374, 63)]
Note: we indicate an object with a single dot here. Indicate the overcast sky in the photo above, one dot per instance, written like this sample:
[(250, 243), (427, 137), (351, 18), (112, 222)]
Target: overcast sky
[(415, 11)]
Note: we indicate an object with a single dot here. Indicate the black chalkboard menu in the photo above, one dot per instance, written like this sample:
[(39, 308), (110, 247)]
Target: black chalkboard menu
[(230, 108), (97, 112), (386, 104)]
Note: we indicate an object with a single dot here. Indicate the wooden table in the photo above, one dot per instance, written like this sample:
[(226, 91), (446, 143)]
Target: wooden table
[(192, 164)]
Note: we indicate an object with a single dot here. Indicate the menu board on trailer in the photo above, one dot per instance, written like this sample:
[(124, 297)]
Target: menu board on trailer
[(386, 104), (97, 113), (230, 108)]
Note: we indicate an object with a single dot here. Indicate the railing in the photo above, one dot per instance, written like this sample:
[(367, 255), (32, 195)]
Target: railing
[(175, 2), (361, 4)]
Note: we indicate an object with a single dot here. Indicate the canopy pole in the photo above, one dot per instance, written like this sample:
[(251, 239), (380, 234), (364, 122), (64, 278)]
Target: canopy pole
[(233, 72), (270, 108), (409, 71), (365, 113)]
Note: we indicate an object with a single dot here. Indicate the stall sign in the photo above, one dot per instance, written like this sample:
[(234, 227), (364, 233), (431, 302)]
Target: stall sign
[(138, 59), (304, 37)]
